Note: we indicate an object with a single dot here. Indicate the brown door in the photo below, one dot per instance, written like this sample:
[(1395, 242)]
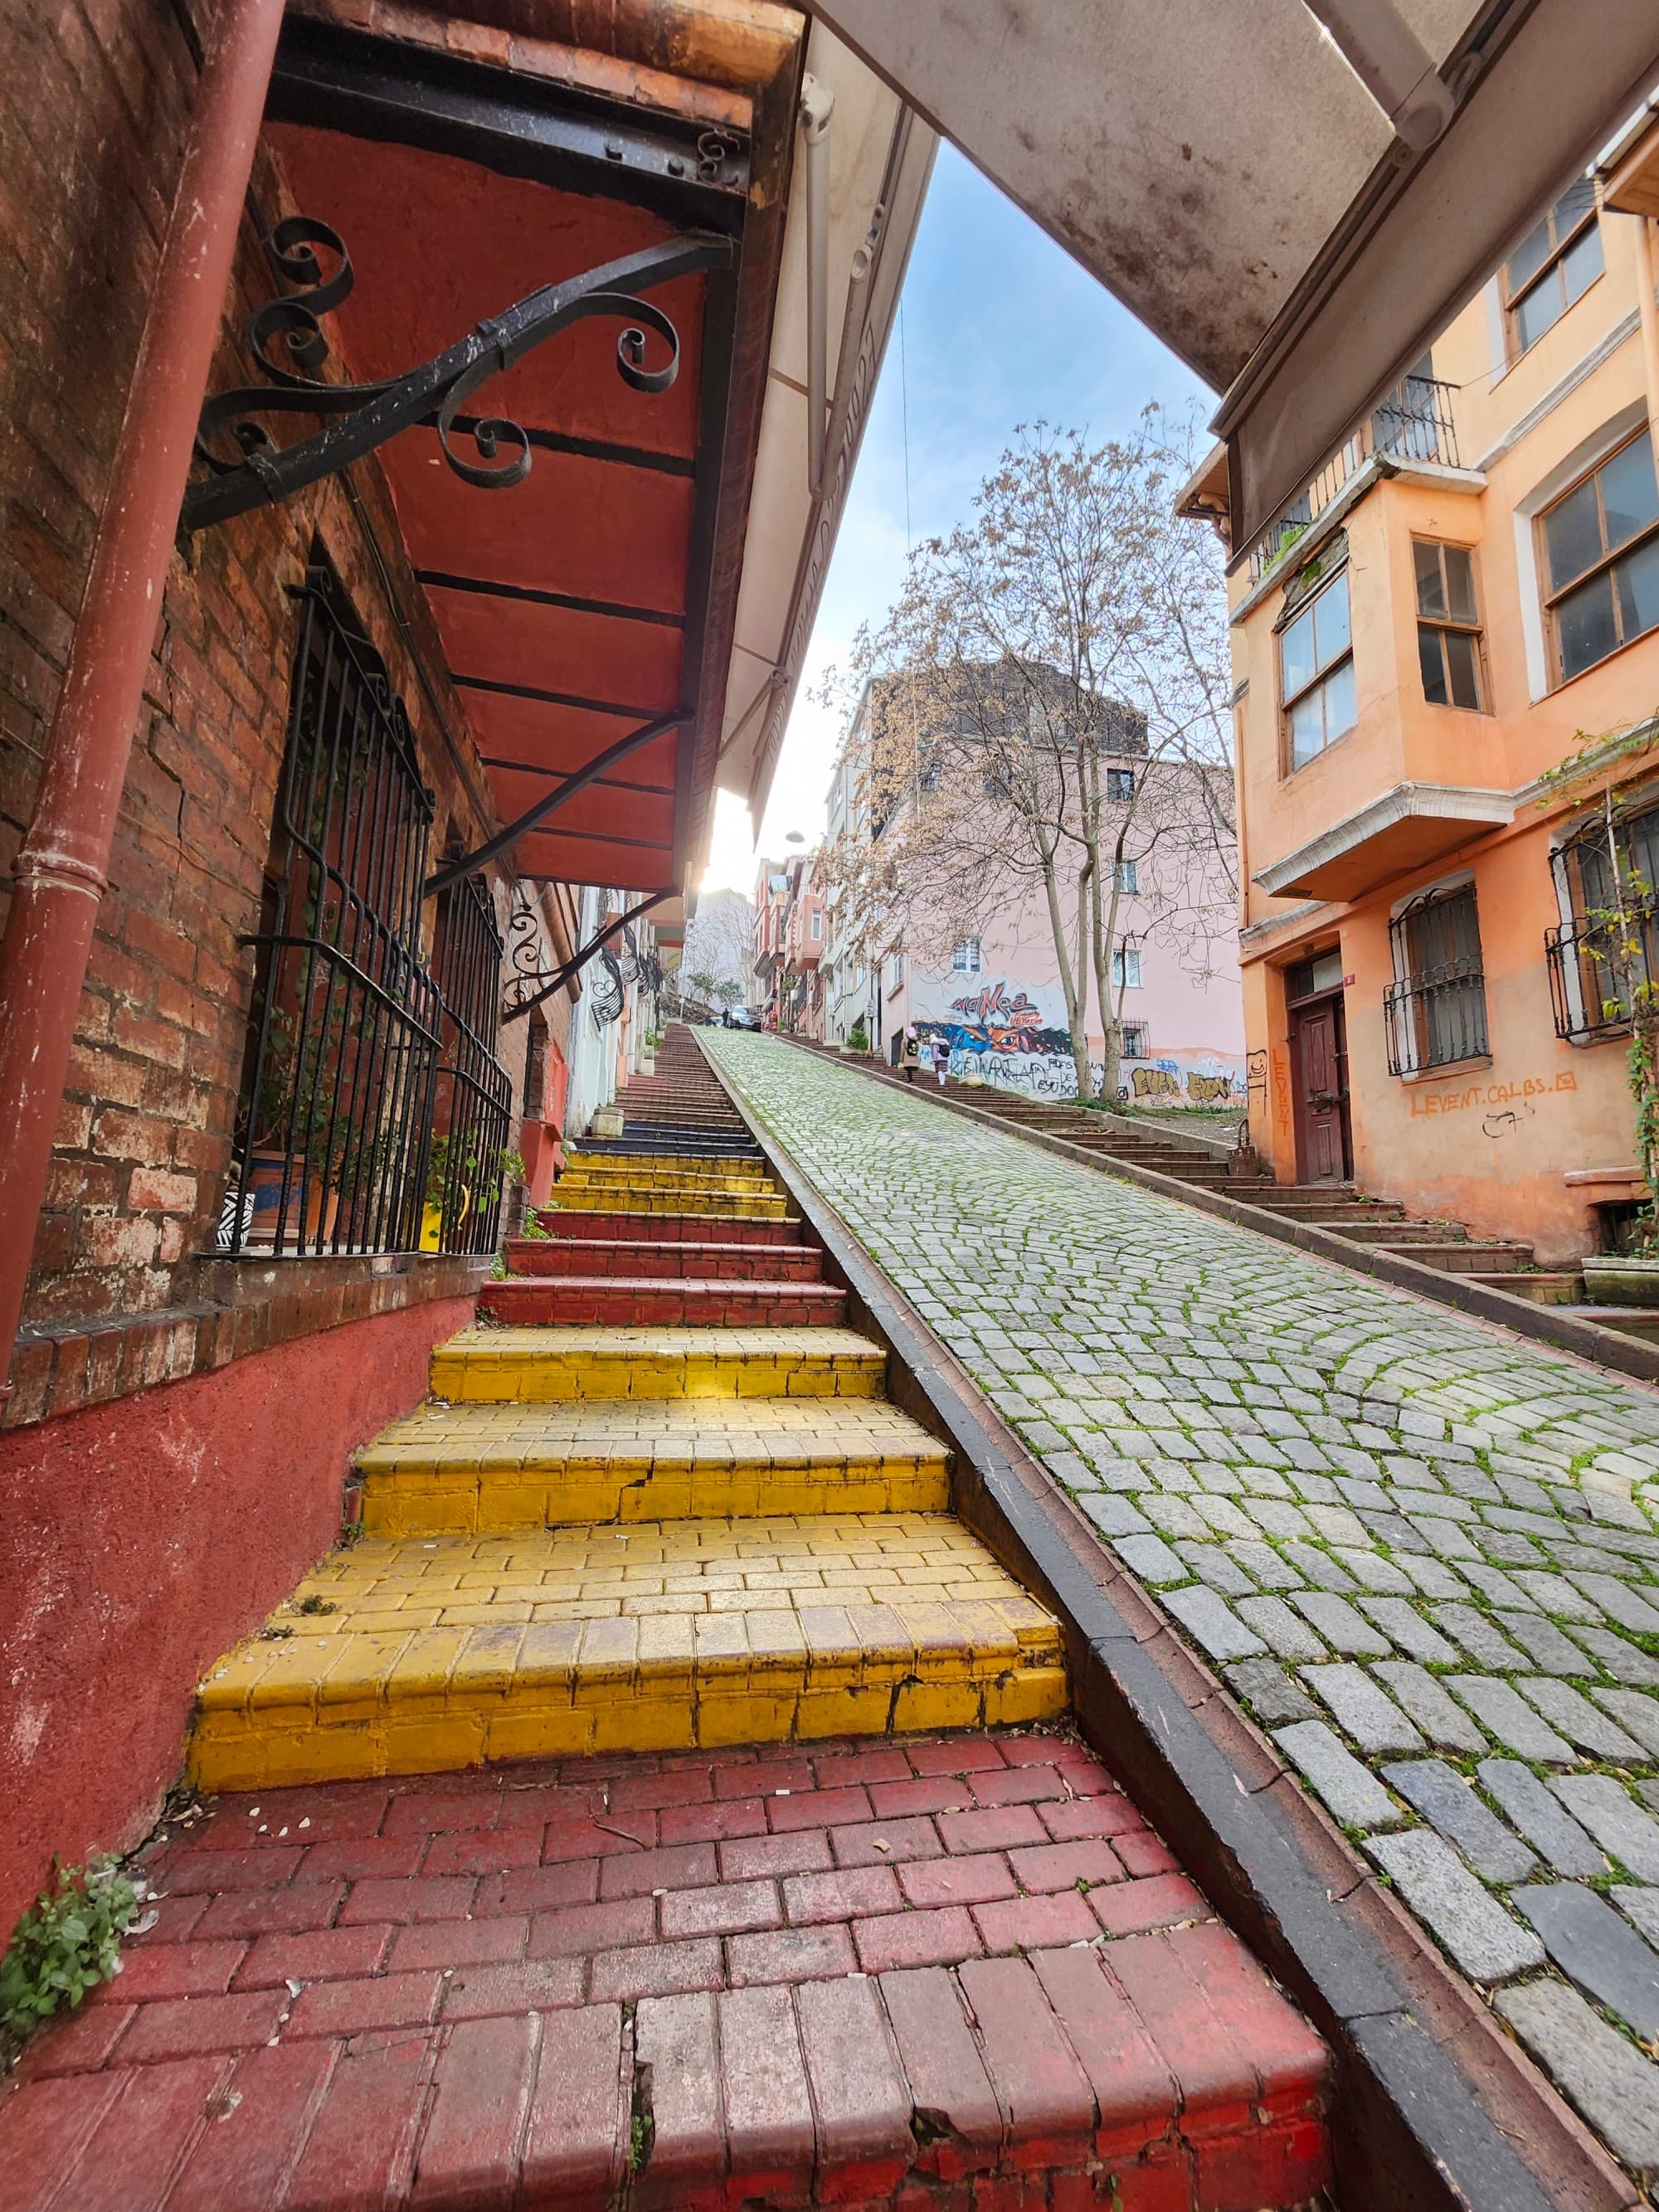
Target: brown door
[(1319, 1056)]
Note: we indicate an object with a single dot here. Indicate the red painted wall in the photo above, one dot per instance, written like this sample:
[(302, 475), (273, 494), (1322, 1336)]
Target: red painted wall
[(139, 1541)]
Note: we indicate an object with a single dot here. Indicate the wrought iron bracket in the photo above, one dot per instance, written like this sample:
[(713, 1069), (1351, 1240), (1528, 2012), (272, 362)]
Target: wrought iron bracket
[(468, 864), (561, 976), (264, 474)]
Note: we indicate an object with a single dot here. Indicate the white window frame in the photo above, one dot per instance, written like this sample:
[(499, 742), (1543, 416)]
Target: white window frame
[(1127, 876), (965, 959), (1125, 967)]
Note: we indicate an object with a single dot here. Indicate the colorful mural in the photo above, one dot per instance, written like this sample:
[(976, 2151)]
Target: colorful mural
[(993, 1022), (1001, 1034)]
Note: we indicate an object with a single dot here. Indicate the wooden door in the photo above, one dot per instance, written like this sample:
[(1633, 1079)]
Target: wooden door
[(1321, 1092)]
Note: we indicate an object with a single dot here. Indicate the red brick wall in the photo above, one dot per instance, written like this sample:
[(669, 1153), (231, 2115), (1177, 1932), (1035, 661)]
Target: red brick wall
[(87, 165)]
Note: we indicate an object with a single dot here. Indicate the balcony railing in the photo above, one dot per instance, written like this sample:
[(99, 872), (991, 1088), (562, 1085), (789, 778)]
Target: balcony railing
[(1437, 1018), (1413, 423), (1589, 999)]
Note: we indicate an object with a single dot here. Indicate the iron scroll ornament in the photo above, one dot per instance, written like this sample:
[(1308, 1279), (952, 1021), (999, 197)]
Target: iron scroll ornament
[(264, 474)]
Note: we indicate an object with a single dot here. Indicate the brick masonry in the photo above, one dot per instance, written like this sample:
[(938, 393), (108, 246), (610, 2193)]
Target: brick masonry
[(933, 1971), (120, 1298)]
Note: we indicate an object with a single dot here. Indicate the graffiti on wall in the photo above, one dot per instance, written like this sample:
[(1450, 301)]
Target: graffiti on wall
[(999, 1036)]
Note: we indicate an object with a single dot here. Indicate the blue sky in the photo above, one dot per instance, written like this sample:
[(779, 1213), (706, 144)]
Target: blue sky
[(1000, 327)]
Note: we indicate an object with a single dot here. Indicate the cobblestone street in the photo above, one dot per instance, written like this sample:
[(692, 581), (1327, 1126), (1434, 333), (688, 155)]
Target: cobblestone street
[(1421, 1552)]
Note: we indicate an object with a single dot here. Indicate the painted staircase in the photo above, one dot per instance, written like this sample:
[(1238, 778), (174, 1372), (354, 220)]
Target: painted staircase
[(657, 1515), (658, 1499)]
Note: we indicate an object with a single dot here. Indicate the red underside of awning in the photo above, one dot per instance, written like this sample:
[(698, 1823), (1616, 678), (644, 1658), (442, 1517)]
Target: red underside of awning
[(438, 244)]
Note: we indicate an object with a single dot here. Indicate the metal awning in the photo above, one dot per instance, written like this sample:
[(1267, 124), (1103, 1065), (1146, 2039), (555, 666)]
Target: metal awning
[(1225, 172)]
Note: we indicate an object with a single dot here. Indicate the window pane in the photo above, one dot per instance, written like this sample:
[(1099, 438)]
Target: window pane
[(1540, 308), (1459, 583), (1574, 204), (1581, 263), (1572, 535), (1463, 667), (1434, 672), (1629, 497), (1307, 730), (1296, 654), (1584, 625), (1638, 579), (1332, 633), (1431, 590), (1529, 257), (1341, 710)]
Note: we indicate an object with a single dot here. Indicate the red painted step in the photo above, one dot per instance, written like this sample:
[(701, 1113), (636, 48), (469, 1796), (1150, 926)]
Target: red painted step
[(758, 1263), (620, 1302), (579, 1228), (446, 1993)]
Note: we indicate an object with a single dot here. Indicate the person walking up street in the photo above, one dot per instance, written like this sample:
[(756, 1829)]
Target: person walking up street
[(941, 1058), (910, 1058)]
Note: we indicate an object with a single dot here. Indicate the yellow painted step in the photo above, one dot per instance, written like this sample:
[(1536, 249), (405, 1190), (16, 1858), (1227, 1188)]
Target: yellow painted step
[(547, 1366), (446, 1652), (668, 1167), (730, 1200), (470, 1469)]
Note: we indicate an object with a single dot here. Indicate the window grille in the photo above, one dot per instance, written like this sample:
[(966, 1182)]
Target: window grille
[(1435, 1008), (1119, 785), (474, 1093), (1133, 1040), (1592, 981), (349, 1040)]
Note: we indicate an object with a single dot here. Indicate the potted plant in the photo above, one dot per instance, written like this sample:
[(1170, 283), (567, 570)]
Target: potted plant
[(474, 1169)]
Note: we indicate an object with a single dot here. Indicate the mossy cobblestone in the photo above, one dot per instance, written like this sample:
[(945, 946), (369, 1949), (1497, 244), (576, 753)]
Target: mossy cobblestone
[(1430, 1533)]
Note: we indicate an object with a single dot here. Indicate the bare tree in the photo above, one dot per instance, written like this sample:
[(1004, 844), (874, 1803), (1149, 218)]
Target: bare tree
[(1044, 709)]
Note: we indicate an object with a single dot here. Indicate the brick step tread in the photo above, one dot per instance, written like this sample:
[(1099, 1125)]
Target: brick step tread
[(1461, 1258), (591, 1161), (576, 1360), (1393, 1230), (631, 1198), (1542, 1287), (667, 1301), (579, 1226), (1630, 1321), (449, 1652), (819, 2017), (565, 1256), (645, 1143)]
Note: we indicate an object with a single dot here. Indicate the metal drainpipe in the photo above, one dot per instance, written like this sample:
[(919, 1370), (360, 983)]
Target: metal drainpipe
[(818, 104), (62, 871)]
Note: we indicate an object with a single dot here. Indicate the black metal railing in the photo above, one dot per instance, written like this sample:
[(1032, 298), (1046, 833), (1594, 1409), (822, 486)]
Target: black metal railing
[(1437, 1018), (350, 1034), (1590, 997), (1413, 423), (473, 1107)]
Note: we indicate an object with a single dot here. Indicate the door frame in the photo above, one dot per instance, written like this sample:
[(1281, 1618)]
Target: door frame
[(1296, 1010)]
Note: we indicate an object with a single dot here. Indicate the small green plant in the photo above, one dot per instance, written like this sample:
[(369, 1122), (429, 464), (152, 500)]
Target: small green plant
[(535, 1228), (858, 1038), (68, 1942)]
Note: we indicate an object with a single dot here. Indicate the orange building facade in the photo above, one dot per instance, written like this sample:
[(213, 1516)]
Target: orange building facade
[(1465, 600)]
